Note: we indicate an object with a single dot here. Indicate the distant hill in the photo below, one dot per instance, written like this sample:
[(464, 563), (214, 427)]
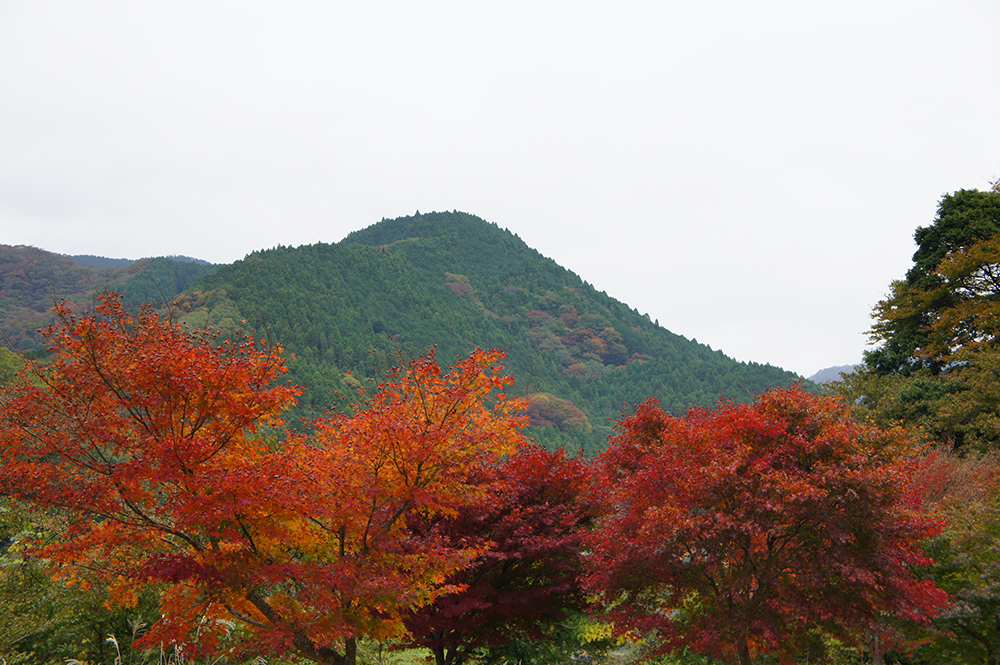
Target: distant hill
[(454, 281), (32, 280), (105, 262), (100, 261), (831, 374)]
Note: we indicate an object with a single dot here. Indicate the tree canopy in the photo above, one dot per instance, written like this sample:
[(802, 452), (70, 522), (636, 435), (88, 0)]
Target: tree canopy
[(758, 527), (947, 300), (530, 522), (938, 356)]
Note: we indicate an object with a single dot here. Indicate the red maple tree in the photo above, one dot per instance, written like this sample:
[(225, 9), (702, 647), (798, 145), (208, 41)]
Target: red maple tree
[(747, 528), (529, 524), (147, 435)]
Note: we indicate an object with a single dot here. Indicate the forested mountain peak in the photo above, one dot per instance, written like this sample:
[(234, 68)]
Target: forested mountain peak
[(453, 282), (472, 243), (346, 312), (455, 225)]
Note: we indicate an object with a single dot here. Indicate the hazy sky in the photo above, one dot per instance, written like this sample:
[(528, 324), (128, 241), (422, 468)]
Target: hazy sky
[(749, 173)]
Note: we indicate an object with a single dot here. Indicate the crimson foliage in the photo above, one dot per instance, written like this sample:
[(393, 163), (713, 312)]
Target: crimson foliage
[(530, 524), (750, 527)]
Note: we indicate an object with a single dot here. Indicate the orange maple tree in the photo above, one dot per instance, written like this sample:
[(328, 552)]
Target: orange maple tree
[(147, 435), (751, 527)]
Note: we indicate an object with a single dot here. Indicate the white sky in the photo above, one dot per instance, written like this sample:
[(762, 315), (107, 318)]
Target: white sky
[(748, 173)]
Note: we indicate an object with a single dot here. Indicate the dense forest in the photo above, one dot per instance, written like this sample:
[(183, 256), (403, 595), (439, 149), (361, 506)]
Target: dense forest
[(455, 282)]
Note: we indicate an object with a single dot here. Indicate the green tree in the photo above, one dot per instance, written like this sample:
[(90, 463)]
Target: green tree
[(939, 359), (10, 365), (937, 372), (918, 325)]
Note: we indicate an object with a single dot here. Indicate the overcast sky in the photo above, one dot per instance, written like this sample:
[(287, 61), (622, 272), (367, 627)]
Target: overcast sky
[(748, 173)]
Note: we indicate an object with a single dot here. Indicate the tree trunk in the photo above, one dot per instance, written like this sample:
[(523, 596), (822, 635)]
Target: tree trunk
[(878, 653), (743, 650), (303, 646), (350, 651)]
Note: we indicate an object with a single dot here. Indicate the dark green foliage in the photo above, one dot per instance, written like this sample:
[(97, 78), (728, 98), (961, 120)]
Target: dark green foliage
[(10, 365), (346, 311), (105, 262), (454, 281), (963, 218), (968, 631), (925, 374), (563, 645), (100, 261), (159, 280)]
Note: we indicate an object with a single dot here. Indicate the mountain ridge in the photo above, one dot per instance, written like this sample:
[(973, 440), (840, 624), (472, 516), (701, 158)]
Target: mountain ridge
[(455, 281), (33, 279), (347, 311), (830, 374)]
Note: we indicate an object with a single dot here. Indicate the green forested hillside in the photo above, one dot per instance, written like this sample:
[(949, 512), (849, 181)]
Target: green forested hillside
[(32, 280), (455, 282)]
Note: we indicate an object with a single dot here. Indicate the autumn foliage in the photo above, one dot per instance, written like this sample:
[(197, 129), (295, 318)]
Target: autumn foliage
[(148, 436), (529, 523), (422, 517), (757, 527), (963, 489)]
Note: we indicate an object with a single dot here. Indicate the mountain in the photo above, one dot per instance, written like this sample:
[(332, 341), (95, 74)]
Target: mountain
[(100, 261), (347, 311), (105, 262), (831, 374), (32, 280)]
